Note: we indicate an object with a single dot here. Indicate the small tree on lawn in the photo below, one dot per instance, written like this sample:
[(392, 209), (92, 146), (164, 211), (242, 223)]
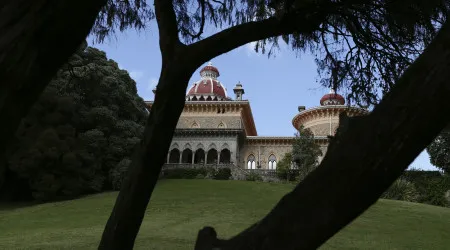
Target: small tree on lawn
[(305, 152), (284, 167), (439, 151)]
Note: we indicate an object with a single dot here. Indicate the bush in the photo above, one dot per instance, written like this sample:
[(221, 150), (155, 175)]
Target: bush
[(222, 174), (197, 173), (253, 176), (284, 173), (200, 176), (431, 186), (402, 190), (184, 173)]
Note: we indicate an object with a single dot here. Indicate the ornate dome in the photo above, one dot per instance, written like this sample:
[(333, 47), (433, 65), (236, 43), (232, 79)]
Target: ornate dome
[(208, 88), (332, 99)]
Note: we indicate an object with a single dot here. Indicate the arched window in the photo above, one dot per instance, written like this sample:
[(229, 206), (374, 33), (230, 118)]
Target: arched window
[(251, 164), (272, 162), (174, 156), (211, 158), (186, 157), (225, 156), (199, 157)]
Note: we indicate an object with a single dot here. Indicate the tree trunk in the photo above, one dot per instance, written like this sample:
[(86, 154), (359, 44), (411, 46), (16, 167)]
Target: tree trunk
[(123, 225), (367, 155), (37, 39)]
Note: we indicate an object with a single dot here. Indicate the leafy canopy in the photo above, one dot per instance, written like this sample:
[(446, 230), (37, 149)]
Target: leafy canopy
[(439, 151), (77, 138), (303, 158), (361, 46)]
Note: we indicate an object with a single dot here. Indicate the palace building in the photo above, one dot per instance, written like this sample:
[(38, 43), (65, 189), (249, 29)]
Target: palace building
[(215, 129)]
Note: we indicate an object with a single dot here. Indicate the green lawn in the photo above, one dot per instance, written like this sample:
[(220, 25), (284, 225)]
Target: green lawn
[(180, 207)]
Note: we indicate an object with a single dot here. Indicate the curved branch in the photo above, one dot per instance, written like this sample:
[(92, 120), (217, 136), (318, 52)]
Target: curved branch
[(359, 166), (305, 21)]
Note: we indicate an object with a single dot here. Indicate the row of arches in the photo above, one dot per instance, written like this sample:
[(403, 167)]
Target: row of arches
[(272, 162), (200, 156)]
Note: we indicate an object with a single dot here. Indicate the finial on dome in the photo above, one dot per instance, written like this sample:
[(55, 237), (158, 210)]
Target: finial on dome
[(209, 63), (332, 91)]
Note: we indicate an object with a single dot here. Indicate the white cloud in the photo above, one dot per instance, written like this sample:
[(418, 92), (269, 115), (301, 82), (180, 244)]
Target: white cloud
[(136, 74)]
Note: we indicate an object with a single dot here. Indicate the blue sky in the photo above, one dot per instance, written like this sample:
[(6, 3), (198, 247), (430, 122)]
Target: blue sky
[(275, 86)]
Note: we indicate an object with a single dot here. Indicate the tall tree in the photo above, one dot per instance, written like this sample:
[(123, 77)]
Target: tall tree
[(87, 120), (381, 39), (439, 151), (305, 151)]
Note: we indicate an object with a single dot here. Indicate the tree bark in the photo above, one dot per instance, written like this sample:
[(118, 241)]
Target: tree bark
[(179, 63), (37, 39), (367, 155), (128, 212)]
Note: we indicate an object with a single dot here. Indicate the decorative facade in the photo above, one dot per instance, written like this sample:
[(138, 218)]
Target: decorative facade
[(216, 130)]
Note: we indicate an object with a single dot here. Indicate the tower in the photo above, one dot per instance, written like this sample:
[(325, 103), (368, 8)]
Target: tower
[(238, 91)]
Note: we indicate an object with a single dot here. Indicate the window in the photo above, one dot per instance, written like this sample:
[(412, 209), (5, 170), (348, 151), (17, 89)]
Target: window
[(251, 164), (225, 156), (174, 156), (272, 162), (211, 157)]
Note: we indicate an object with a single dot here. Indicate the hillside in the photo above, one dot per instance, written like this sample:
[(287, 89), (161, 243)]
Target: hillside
[(180, 207)]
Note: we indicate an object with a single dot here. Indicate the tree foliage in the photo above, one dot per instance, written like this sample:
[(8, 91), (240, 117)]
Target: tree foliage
[(305, 151), (76, 138), (439, 151), (303, 158), (361, 47)]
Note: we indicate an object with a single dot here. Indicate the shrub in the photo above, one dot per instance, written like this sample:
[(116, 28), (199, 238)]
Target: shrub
[(253, 176), (197, 173), (222, 174), (283, 174), (431, 186), (402, 190), (200, 176), (184, 173)]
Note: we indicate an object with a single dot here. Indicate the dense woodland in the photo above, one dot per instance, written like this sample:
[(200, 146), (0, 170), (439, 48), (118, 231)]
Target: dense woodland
[(78, 137)]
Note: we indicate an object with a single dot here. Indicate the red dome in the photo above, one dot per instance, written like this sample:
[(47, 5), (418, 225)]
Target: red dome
[(332, 99), (208, 88)]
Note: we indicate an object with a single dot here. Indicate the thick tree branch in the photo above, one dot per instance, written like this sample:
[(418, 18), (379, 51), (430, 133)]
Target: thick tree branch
[(37, 38), (363, 160), (167, 26), (305, 21)]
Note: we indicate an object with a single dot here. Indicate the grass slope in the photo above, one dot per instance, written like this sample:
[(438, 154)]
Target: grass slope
[(180, 207)]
